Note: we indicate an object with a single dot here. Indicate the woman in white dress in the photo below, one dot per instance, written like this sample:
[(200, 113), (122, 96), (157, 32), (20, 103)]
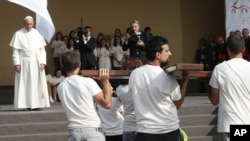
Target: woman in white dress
[(103, 54)]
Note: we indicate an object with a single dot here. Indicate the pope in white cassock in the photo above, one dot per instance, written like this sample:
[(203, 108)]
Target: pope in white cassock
[(29, 59)]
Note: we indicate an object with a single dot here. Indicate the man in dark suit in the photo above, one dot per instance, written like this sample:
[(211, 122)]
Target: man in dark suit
[(137, 41), (86, 46)]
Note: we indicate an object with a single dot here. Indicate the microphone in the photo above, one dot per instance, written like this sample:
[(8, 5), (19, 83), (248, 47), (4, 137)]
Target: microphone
[(138, 34)]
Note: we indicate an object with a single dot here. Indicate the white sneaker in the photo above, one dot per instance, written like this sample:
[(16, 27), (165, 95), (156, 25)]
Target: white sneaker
[(51, 99)]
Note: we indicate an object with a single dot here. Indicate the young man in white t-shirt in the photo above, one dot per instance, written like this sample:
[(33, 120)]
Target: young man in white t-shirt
[(78, 96), (156, 95), (229, 88)]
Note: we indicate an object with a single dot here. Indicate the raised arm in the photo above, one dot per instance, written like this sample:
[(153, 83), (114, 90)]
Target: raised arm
[(183, 87), (104, 98)]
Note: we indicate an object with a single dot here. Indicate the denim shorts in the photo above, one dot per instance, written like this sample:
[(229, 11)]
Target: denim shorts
[(86, 134)]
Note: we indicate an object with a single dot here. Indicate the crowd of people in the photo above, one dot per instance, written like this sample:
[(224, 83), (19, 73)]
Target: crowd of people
[(100, 52), (213, 50), (143, 107)]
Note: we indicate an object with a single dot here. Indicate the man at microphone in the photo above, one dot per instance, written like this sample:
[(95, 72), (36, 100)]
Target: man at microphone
[(137, 41)]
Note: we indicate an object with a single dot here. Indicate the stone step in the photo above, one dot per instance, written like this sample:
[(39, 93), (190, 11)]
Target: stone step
[(62, 136), (202, 119), (200, 130), (197, 117), (197, 110), (204, 138), (33, 128), (31, 117), (9, 115)]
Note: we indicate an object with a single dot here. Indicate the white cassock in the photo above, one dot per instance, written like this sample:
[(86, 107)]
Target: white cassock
[(30, 84)]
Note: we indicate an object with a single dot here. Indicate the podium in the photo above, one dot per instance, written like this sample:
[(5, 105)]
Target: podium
[(195, 71)]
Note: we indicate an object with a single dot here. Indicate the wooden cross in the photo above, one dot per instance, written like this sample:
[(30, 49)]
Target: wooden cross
[(195, 71)]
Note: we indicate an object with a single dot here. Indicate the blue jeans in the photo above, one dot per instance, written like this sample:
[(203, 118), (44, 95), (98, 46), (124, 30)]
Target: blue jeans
[(129, 136), (86, 134)]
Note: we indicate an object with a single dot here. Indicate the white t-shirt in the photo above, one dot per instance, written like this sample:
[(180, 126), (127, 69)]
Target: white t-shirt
[(49, 78), (126, 98), (119, 53), (153, 91), (112, 119), (57, 80), (76, 95), (57, 47), (232, 78)]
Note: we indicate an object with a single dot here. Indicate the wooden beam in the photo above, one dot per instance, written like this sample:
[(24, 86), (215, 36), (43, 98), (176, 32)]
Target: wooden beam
[(200, 74), (184, 66), (112, 73), (116, 74), (196, 71)]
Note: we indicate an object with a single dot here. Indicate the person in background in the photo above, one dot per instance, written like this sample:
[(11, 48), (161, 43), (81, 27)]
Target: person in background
[(29, 60), (102, 53), (211, 53), (222, 49), (118, 33), (100, 35), (200, 52), (229, 88), (245, 34), (112, 120), (86, 46), (72, 34), (238, 32), (136, 43), (157, 95), (147, 29), (57, 79), (49, 79), (118, 54), (56, 49), (123, 94), (79, 95)]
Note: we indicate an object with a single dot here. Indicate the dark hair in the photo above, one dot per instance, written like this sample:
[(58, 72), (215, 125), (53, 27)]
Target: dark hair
[(57, 33), (155, 45), (235, 44), (68, 43), (71, 31), (106, 45), (87, 27), (130, 64), (57, 71), (115, 43), (71, 60), (147, 28), (128, 30)]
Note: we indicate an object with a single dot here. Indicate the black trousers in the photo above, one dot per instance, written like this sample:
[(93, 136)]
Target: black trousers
[(171, 136), (114, 138)]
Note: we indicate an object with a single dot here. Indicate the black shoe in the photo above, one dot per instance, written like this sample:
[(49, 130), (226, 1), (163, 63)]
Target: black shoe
[(27, 109), (36, 109)]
